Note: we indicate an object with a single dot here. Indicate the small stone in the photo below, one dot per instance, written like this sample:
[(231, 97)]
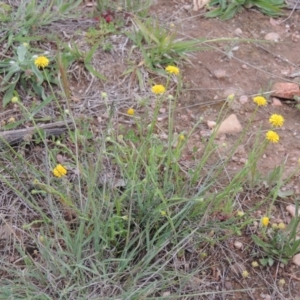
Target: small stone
[(243, 99), (272, 36), (243, 160), (244, 66), (162, 117), (292, 210), (166, 294), (230, 125), (238, 245), (162, 110), (286, 90), (187, 7), (228, 285), (238, 31), (184, 118), (296, 259), (220, 73), (276, 102), (211, 124), (237, 268)]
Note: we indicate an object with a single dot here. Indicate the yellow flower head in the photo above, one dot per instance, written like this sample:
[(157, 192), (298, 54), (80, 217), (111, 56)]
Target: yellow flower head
[(265, 221), (281, 226), (272, 136), (172, 70), (254, 264), (158, 89), (130, 112), (41, 62), (14, 99), (59, 171), (276, 120), (260, 101), (163, 213), (245, 274), (240, 213), (181, 137)]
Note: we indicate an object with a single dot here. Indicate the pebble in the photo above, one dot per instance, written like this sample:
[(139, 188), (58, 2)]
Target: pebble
[(276, 102), (219, 74), (238, 31), (162, 110), (292, 210), (211, 124), (286, 90), (230, 125), (272, 36), (296, 259), (238, 245), (244, 66), (244, 99)]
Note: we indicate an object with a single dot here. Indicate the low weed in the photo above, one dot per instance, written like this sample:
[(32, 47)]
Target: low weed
[(227, 9)]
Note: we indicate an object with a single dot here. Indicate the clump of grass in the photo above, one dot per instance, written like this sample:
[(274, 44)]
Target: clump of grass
[(229, 8)]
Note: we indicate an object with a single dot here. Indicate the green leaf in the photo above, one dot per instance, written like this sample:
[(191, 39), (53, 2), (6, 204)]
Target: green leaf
[(261, 243), (21, 53), (41, 105), (284, 194), (8, 95), (87, 62)]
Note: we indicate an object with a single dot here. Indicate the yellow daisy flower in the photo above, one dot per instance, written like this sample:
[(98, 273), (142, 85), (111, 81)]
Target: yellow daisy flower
[(130, 112), (181, 137), (272, 136), (59, 171), (260, 101), (14, 99), (172, 70), (281, 226), (41, 62), (245, 274), (276, 120), (158, 89), (254, 264), (265, 221)]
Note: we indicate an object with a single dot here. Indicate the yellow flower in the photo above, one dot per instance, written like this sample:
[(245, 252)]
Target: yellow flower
[(240, 213), (41, 62), (181, 137), (265, 221), (245, 274), (281, 226), (274, 226), (163, 213), (14, 99), (272, 136), (260, 101), (281, 282), (172, 70), (130, 111), (254, 264), (276, 120), (230, 97), (59, 171), (158, 89), (11, 120)]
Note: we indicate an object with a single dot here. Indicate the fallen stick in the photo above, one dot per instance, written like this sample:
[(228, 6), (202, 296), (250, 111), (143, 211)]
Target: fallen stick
[(13, 137)]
